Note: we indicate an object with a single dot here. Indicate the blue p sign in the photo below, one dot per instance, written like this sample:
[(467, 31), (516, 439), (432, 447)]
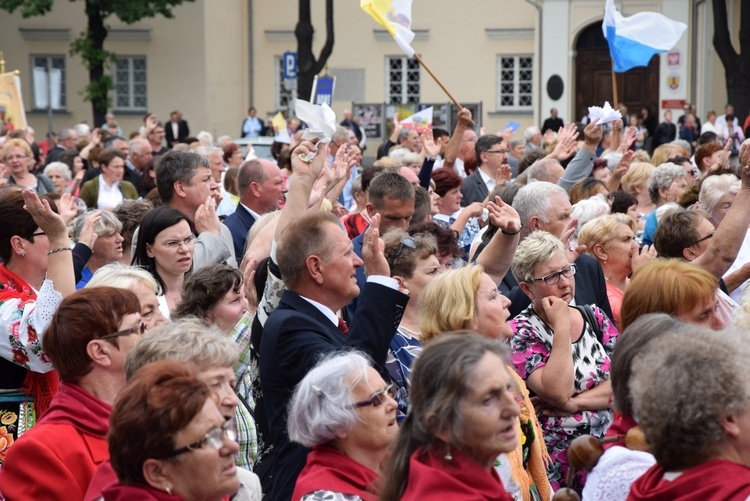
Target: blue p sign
[(290, 64)]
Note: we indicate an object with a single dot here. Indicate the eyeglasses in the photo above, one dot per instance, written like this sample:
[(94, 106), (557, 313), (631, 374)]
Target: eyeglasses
[(173, 244), (707, 237), (38, 234), (126, 332), (15, 157), (377, 399), (554, 277), (502, 152), (214, 438), (406, 242)]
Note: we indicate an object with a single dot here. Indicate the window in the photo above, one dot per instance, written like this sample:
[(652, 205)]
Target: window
[(44, 63), (283, 94), (515, 82), (130, 84), (402, 80)]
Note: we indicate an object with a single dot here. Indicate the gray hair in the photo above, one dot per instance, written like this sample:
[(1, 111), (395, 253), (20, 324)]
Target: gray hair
[(207, 151), (662, 178), (65, 134), (705, 377), (320, 407), (531, 132), (713, 188), (60, 167), (515, 143), (205, 138), (137, 145), (108, 224), (187, 341), (121, 276), (540, 170), (82, 129), (341, 133), (537, 248), (589, 209), (534, 199)]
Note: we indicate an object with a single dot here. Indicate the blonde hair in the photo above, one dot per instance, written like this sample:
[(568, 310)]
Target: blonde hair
[(448, 303), (537, 248), (638, 175), (601, 231)]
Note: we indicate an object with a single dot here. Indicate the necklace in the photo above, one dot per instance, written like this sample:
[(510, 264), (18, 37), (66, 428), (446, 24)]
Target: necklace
[(414, 334)]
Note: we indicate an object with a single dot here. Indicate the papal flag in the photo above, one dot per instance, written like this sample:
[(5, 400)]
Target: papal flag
[(281, 133), (394, 16), (419, 121), (634, 40), (12, 112)]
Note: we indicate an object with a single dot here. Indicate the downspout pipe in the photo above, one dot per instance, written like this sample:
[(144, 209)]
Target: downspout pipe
[(538, 6), (694, 52), (250, 56)]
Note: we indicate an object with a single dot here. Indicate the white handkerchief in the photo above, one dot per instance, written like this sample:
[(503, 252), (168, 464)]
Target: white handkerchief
[(605, 114), (320, 120)]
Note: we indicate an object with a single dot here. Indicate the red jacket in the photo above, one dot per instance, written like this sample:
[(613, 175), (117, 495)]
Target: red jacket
[(56, 459)]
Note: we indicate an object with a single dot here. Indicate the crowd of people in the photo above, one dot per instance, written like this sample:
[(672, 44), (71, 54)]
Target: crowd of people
[(181, 320)]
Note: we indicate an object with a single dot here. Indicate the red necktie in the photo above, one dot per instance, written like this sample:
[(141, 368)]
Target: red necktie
[(343, 327)]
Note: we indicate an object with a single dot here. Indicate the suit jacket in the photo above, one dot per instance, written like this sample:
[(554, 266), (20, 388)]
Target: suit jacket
[(357, 243), (591, 288), (239, 223), (473, 189), (53, 155), (183, 131), (294, 337)]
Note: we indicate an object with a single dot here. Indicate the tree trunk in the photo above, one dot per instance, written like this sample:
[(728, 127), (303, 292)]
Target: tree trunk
[(308, 66), (736, 65), (98, 33)]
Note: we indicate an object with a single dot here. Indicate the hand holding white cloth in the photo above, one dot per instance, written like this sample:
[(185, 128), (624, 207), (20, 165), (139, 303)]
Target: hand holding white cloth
[(320, 120), (606, 114)]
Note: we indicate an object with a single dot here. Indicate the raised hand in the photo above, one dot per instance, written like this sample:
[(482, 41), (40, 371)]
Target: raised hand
[(88, 235), (206, 218), (372, 250), (557, 312), (430, 147), (593, 133), (504, 216), (47, 219), (309, 160)]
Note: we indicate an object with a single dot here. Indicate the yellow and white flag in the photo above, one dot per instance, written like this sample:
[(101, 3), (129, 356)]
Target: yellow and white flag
[(394, 16), (281, 133), (12, 114)]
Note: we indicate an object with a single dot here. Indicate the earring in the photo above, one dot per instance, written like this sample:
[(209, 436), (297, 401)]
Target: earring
[(448, 456), (168, 489), (23, 254)]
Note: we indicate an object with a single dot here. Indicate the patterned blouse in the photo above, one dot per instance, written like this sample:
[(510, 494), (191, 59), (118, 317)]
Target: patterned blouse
[(403, 351)]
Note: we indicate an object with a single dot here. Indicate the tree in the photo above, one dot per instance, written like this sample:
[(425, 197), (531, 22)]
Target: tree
[(736, 64), (308, 66), (90, 43)]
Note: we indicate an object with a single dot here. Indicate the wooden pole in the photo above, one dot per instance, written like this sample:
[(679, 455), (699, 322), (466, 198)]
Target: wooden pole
[(2, 62), (420, 61), (615, 104)]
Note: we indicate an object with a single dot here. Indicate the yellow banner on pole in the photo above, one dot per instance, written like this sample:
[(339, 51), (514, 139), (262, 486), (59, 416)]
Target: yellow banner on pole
[(12, 112)]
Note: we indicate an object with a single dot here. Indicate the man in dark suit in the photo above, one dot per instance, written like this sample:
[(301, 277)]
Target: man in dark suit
[(544, 206), (261, 186), (66, 140), (349, 122), (318, 266), (491, 154), (553, 123), (176, 130)]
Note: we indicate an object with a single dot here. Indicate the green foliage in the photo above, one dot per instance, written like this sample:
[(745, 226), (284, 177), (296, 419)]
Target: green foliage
[(98, 92), (91, 55)]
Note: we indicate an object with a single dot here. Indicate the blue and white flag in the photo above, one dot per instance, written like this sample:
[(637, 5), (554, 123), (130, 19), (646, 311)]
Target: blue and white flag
[(634, 40)]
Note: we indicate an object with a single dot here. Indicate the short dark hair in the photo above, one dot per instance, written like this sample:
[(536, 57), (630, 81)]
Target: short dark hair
[(677, 230), (707, 137), (446, 238), (154, 222), (161, 399), (85, 315), (422, 204), (131, 213), (445, 180), (389, 185), (485, 143), (109, 154), (622, 201), (204, 288), (176, 166), (16, 221), (528, 159)]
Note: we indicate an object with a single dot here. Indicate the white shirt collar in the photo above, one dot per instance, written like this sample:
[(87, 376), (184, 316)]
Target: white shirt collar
[(325, 310)]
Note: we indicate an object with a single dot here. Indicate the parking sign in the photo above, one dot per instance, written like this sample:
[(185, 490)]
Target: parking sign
[(290, 65)]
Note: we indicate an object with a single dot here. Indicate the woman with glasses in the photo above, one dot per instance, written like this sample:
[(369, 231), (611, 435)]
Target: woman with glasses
[(165, 249), (562, 353), (87, 342), (345, 411), (18, 158), (35, 275), (183, 448)]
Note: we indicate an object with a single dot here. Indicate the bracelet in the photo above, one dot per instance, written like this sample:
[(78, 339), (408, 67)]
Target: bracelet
[(59, 249), (430, 159), (516, 233)]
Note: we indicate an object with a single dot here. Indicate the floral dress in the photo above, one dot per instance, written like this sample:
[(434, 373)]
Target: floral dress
[(531, 345)]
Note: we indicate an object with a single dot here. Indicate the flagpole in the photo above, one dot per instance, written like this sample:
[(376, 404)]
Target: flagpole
[(420, 61), (615, 104)]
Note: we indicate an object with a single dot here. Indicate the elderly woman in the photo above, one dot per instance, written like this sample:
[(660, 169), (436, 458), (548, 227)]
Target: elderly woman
[(87, 341), (463, 415), (108, 246), (184, 448), (60, 175), (667, 184), (561, 352), (17, 156), (467, 298), (462, 220), (138, 281), (212, 356), (108, 190), (165, 249), (672, 286), (611, 240), (345, 411), (413, 263), (698, 433), (36, 274)]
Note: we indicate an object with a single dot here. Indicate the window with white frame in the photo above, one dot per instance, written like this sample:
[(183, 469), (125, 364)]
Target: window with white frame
[(46, 63), (130, 79), (402, 80), (515, 83), (283, 93)]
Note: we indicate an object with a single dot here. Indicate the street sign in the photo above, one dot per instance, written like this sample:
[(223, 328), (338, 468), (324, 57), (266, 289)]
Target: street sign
[(290, 64)]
